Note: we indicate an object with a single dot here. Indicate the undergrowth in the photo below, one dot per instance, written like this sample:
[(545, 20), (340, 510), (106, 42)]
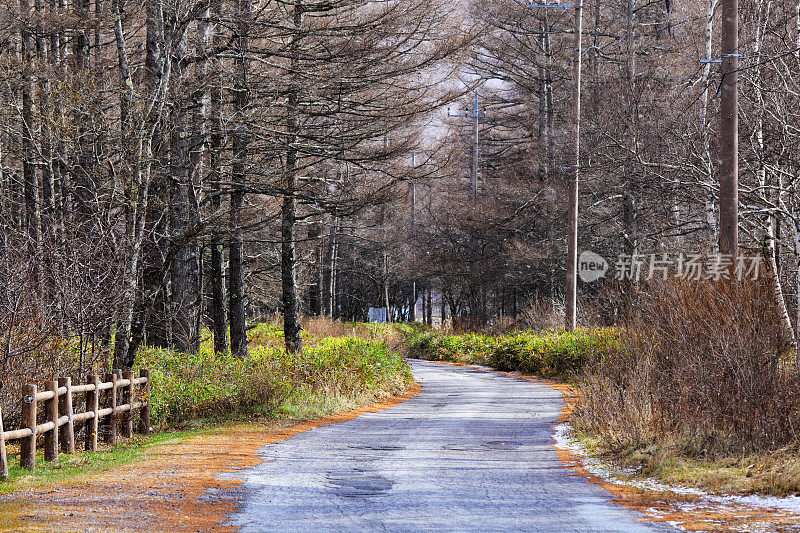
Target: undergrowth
[(550, 354), (341, 369), (704, 390)]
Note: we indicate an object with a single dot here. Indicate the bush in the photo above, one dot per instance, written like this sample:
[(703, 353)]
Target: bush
[(702, 365), (550, 354), (208, 384)]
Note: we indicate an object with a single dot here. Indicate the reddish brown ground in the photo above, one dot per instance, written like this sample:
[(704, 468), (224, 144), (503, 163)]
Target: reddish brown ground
[(175, 488)]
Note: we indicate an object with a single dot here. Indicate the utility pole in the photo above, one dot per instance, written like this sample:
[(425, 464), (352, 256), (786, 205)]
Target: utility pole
[(474, 173), (729, 131), (413, 190), (571, 289), (412, 312)]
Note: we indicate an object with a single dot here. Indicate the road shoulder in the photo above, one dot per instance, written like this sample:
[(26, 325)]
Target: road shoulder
[(682, 507), (176, 486)]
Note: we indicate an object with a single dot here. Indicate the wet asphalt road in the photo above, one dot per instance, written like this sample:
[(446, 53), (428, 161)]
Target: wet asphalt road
[(472, 452)]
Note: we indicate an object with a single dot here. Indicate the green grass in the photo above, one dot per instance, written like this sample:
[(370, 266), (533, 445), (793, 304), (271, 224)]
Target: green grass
[(82, 463), (209, 385), (551, 354)]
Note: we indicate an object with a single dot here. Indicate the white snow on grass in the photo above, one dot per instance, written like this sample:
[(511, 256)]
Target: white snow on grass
[(727, 503)]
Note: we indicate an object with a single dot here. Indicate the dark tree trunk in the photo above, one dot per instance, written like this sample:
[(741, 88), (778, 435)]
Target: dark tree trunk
[(184, 267), (429, 316), (238, 321), (82, 176), (291, 303), (155, 321), (218, 307), (29, 182)]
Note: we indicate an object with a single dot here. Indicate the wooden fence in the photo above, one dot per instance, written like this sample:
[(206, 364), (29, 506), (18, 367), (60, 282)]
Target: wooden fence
[(101, 415)]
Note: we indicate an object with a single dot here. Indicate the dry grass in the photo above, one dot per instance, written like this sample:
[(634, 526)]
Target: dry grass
[(703, 392), (773, 472), (542, 314), (321, 327)]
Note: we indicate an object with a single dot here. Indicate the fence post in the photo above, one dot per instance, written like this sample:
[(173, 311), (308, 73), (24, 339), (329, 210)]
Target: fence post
[(127, 398), (27, 452), (92, 404), (109, 430), (3, 458), (51, 413), (67, 432), (144, 413)]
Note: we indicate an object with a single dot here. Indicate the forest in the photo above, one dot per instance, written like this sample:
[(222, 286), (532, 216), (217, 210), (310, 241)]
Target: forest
[(171, 169)]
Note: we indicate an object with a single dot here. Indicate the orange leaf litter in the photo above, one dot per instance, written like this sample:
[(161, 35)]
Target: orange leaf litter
[(174, 488)]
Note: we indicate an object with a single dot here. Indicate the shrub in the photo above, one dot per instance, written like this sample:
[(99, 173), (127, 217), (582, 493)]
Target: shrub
[(208, 384), (702, 364), (551, 354)]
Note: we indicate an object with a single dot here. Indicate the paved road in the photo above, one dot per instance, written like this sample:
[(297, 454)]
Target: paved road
[(472, 452)]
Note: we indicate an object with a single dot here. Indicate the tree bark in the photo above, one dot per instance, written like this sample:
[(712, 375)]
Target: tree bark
[(711, 216), (184, 267), (145, 131), (29, 181), (218, 308), (237, 318), (291, 306)]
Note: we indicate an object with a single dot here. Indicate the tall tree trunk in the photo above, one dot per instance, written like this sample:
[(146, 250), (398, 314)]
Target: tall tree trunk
[(153, 315), (142, 156), (237, 318), (770, 220), (58, 49), (48, 204), (710, 210), (184, 267), (630, 237), (429, 316), (291, 305), (218, 307), (83, 174), (197, 147), (328, 279), (29, 156)]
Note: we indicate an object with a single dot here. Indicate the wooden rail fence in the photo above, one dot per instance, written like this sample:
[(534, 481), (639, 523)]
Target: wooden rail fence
[(103, 415)]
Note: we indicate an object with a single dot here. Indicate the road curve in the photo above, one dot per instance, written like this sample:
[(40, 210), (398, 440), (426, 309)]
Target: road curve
[(472, 452)]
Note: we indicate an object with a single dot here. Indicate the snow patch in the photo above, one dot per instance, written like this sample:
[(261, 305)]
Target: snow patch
[(564, 441)]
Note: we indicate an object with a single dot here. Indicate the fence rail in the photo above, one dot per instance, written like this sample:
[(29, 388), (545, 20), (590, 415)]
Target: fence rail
[(101, 415)]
